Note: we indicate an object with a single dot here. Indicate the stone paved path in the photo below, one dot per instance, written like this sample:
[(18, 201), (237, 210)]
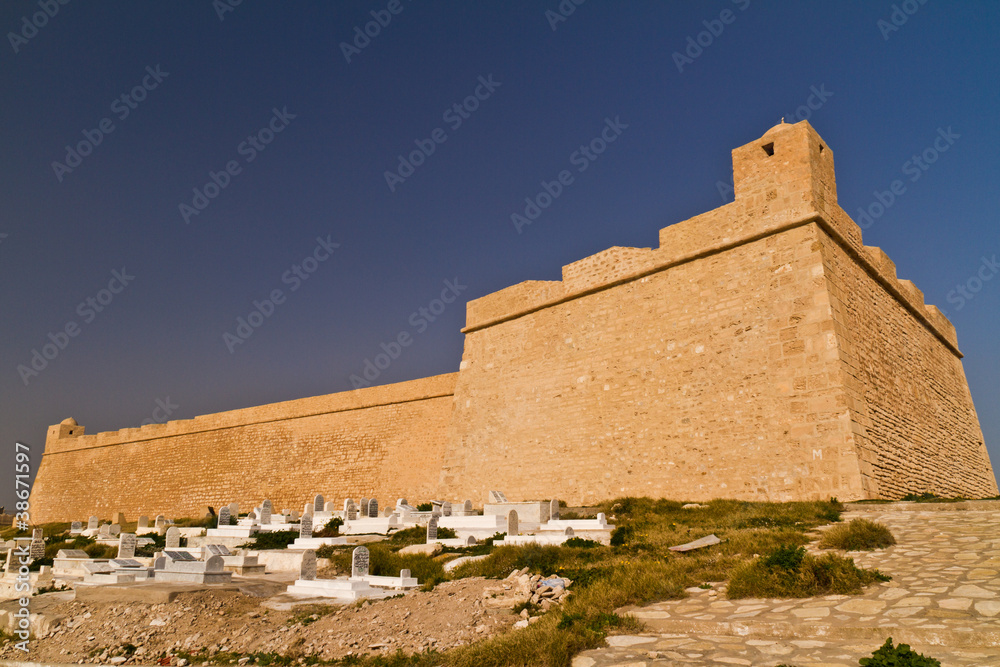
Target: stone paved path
[(944, 600)]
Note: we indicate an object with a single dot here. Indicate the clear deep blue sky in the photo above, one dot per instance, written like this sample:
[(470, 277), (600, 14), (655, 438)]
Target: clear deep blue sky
[(161, 337)]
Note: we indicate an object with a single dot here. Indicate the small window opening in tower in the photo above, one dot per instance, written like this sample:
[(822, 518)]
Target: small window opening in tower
[(821, 147), (769, 148)]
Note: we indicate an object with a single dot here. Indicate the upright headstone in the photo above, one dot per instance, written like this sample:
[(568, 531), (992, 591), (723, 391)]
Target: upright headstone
[(126, 545), (92, 523), (105, 530), (173, 538), (307, 570), (144, 521), (347, 501), (36, 549), (309, 508), (373, 509), (234, 509), (293, 516), (467, 508), (76, 527), (306, 527), (330, 506), (351, 511), (553, 510), (497, 497), (37, 534), (114, 530), (363, 508), (252, 516), (432, 529), (387, 511), (318, 502), (223, 516), (512, 522), (359, 562), (446, 508), (265, 512), (160, 522), (118, 518)]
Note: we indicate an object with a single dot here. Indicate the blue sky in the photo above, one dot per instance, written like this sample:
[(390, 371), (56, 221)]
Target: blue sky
[(287, 135)]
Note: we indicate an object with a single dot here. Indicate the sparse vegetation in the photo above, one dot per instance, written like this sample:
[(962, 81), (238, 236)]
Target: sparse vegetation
[(898, 656), (858, 535), (789, 572), (331, 529), (278, 539)]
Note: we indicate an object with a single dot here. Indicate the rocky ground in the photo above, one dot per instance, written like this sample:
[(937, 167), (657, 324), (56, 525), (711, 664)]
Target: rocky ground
[(453, 614)]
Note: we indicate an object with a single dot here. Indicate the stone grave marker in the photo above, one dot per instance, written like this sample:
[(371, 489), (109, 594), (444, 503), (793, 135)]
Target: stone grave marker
[(309, 508), (432, 529), (359, 562), (126, 545), (554, 510), (446, 508), (401, 501), (293, 515), (160, 521), (114, 529), (373, 509), (218, 549), (307, 570), (76, 527), (265, 512), (318, 503), (306, 527), (363, 508), (404, 574), (36, 534), (223, 516), (234, 509), (173, 538), (105, 530), (330, 506), (347, 501), (252, 516), (118, 518), (36, 549), (92, 523), (512, 522), (351, 511), (72, 553), (497, 497), (467, 507), (143, 521)]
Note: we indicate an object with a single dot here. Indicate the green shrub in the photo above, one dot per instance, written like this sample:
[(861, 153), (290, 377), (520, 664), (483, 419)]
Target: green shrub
[(384, 561), (425, 507), (36, 564), (278, 539), (858, 535), (581, 543), (331, 529), (897, 656), (930, 498), (788, 572), (149, 550)]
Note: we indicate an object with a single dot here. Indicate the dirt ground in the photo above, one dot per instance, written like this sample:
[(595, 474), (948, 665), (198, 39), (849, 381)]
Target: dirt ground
[(453, 614)]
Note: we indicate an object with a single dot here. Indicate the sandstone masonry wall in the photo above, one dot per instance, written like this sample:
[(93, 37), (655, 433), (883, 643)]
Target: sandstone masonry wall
[(383, 442)]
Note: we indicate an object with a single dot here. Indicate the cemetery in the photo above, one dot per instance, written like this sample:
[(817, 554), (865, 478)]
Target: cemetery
[(479, 575)]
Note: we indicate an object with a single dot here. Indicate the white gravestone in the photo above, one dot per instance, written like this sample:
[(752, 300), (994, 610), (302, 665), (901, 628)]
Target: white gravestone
[(512, 522), (308, 568), (143, 522), (265, 512), (306, 527), (318, 502), (554, 510), (76, 527), (359, 562), (372, 509), (223, 516), (92, 523), (173, 538), (126, 545), (432, 529)]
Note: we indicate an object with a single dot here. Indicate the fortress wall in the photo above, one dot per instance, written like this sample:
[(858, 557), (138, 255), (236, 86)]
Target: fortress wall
[(914, 419), (384, 441), (718, 377)]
